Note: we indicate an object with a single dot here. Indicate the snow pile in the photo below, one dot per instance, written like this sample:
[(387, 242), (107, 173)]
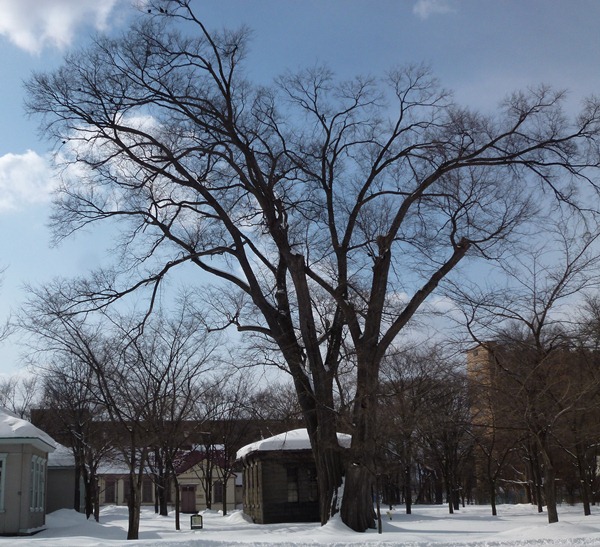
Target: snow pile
[(296, 439), (428, 526)]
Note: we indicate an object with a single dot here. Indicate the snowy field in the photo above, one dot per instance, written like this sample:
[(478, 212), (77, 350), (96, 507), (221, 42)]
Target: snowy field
[(472, 526)]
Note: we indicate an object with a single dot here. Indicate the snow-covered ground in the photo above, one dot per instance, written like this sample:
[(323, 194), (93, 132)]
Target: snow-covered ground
[(472, 526)]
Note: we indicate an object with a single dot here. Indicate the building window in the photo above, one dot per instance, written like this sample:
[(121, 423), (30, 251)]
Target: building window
[(2, 479), (218, 492), (147, 487), (292, 481), (37, 484), (313, 489)]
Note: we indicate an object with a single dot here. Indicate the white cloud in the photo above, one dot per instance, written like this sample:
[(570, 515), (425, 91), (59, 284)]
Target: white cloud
[(24, 178), (35, 24), (426, 8)]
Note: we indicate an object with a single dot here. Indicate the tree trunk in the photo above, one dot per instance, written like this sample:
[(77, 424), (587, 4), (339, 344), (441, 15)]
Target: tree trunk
[(77, 496), (163, 505), (584, 481), (133, 504), (357, 504), (96, 499), (492, 486), (550, 493), (407, 490), (537, 478), (177, 501), (224, 495)]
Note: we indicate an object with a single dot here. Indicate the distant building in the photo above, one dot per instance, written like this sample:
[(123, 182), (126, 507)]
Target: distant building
[(280, 478), (191, 470), (24, 453), (62, 478)]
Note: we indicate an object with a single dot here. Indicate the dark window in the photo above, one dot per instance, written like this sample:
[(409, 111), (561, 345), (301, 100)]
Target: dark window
[(147, 487), (218, 492), (313, 492), (292, 482), (110, 490)]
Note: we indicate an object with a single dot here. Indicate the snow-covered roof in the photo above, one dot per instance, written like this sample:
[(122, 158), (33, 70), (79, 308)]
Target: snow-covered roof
[(297, 439), (61, 457), (16, 430)]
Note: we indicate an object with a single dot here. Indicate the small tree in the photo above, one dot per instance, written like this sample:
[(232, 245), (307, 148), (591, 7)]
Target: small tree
[(72, 408)]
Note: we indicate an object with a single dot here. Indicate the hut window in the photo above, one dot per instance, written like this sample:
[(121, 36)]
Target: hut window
[(292, 481), (37, 484)]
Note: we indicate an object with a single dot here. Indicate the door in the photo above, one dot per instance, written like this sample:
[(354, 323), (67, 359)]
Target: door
[(188, 499)]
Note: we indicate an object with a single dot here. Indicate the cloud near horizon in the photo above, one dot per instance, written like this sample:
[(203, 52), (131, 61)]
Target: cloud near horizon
[(425, 8), (33, 25), (24, 179)]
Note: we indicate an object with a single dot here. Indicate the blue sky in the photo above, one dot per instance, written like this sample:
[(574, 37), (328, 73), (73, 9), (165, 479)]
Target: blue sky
[(482, 49)]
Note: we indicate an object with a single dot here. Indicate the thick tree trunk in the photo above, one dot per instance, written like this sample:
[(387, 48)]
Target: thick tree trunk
[(357, 505)]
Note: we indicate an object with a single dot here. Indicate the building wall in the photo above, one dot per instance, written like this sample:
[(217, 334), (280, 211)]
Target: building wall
[(281, 487), (189, 480), (61, 489), (17, 517), (193, 478)]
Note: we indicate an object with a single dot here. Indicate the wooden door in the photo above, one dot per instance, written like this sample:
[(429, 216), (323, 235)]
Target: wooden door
[(188, 499)]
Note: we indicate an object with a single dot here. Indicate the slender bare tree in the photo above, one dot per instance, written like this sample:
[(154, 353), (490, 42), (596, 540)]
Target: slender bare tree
[(145, 382), (321, 202)]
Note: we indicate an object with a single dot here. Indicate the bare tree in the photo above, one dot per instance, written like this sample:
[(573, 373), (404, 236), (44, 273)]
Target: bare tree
[(408, 377), (144, 381), (72, 410), (19, 393), (533, 336), (175, 353), (320, 202)]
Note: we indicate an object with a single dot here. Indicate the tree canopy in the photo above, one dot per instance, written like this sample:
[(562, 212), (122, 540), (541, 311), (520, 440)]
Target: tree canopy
[(331, 209)]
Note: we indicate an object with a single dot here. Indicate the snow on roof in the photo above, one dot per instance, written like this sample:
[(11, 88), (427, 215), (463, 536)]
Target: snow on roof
[(61, 457), (14, 429), (296, 439)]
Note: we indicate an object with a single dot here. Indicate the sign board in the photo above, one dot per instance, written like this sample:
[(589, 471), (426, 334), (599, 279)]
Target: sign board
[(196, 522)]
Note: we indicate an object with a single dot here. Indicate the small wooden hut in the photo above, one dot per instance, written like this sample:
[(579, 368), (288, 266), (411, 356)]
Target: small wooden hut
[(280, 478)]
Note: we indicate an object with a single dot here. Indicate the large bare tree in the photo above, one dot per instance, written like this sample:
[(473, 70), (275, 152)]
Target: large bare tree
[(333, 208)]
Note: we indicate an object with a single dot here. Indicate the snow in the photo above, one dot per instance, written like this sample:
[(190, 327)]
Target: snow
[(428, 526), (14, 428), (296, 439), (61, 457)]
